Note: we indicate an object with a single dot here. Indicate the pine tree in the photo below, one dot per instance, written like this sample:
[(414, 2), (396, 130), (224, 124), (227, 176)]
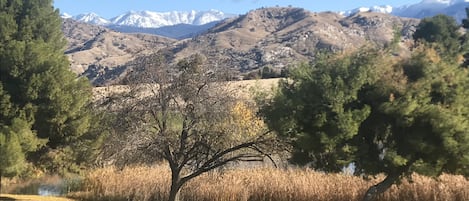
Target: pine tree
[(11, 156), (38, 86), (15, 142)]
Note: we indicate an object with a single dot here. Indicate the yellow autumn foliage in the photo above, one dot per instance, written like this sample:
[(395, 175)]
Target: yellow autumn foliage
[(247, 120), (242, 124), (432, 55)]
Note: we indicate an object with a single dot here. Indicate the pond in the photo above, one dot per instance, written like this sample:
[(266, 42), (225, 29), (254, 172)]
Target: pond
[(54, 186)]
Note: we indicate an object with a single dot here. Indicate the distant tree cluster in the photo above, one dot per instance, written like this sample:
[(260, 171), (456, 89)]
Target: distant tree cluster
[(267, 72)]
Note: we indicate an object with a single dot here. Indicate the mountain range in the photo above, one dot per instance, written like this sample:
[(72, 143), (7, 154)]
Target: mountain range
[(149, 19), (268, 38), (175, 24), (175, 21)]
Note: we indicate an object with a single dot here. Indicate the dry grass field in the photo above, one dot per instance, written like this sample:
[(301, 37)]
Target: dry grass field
[(261, 184), (244, 88)]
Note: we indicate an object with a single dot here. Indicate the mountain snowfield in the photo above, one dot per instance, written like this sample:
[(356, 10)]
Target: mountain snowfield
[(91, 18), (425, 8), (150, 19)]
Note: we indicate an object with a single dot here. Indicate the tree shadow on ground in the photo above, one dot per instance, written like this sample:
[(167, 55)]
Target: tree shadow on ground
[(2, 198)]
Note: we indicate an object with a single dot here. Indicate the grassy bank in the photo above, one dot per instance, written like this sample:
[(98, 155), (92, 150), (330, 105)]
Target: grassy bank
[(151, 183), (31, 197)]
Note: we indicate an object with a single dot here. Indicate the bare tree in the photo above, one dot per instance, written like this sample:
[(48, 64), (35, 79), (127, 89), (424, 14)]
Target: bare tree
[(185, 115)]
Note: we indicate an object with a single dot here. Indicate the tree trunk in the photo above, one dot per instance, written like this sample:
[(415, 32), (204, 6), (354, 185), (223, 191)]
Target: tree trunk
[(381, 187), (175, 189)]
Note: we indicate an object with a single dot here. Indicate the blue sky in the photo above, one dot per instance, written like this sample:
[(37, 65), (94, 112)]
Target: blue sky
[(112, 8)]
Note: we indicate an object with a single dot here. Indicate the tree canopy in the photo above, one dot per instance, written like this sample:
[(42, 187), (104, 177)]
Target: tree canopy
[(188, 117), (37, 87)]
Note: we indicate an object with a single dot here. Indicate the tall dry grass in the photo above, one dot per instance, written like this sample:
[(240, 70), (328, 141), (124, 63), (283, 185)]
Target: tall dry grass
[(263, 184)]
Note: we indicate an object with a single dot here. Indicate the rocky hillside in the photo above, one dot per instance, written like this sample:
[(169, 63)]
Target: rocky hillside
[(270, 37), (94, 50), (279, 37)]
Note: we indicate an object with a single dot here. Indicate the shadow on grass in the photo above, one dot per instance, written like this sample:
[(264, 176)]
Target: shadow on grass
[(6, 198)]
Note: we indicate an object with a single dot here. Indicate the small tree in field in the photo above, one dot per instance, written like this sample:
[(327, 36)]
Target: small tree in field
[(191, 120), (390, 117)]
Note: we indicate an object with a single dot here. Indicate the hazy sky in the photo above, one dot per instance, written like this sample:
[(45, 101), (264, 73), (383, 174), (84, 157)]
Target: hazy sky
[(112, 8)]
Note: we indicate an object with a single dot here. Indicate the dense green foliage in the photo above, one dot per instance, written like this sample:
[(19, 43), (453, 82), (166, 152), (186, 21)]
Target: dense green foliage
[(318, 107), (40, 98), (444, 34), (385, 116)]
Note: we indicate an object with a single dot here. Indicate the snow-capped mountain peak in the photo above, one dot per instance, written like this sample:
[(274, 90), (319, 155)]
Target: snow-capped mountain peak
[(150, 19), (425, 8), (173, 24), (65, 15), (91, 18), (379, 9), (437, 1)]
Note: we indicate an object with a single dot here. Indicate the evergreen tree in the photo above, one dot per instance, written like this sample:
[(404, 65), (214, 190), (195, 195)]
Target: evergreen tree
[(11, 155), (384, 116), (38, 86), (443, 33), (15, 142), (318, 107), (465, 22)]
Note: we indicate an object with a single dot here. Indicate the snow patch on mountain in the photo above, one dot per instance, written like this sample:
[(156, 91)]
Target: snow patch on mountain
[(428, 8), (378, 9), (425, 8), (149, 19), (91, 18), (65, 15)]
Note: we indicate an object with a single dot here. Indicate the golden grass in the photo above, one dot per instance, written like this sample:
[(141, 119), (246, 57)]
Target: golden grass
[(151, 183), (32, 198), (243, 88)]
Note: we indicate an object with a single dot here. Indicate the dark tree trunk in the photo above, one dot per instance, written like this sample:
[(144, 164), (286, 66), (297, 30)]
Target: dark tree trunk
[(175, 189), (381, 187), (176, 182)]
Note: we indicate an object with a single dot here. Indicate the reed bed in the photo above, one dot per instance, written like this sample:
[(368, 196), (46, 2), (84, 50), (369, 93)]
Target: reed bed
[(263, 184)]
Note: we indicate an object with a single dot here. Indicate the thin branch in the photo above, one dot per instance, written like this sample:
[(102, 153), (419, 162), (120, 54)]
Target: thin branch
[(264, 154), (206, 169)]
